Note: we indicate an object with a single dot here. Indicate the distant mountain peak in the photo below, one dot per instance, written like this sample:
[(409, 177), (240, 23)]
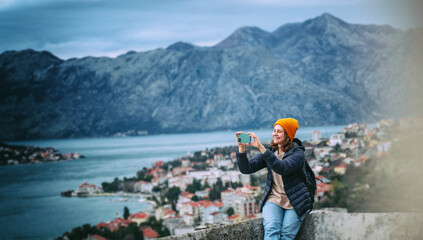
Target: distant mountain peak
[(324, 23), (329, 17), (29, 53), (180, 46), (245, 36)]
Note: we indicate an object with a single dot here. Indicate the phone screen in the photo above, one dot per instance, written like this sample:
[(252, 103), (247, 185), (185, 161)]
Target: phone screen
[(244, 138)]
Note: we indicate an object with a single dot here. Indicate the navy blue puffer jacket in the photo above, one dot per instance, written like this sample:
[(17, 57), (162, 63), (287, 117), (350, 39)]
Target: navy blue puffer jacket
[(289, 167)]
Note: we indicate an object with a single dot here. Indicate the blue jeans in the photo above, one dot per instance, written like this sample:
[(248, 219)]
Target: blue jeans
[(280, 223)]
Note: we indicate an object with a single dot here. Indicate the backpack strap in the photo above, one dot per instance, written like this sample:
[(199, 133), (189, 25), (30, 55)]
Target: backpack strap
[(319, 180)]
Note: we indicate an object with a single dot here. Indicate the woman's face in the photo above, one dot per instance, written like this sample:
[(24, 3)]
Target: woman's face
[(278, 134)]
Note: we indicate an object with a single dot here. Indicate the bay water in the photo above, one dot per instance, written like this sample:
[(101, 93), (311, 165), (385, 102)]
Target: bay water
[(30, 203)]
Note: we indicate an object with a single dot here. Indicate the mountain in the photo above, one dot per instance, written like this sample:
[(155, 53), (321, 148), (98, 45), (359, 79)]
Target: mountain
[(322, 71)]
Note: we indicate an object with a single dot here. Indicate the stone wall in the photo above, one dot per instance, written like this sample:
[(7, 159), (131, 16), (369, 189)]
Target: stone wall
[(325, 225)]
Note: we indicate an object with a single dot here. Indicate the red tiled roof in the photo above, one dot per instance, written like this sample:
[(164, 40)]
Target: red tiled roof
[(102, 225), (362, 159), (342, 165), (214, 213), (186, 195), (95, 236), (149, 233), (228, 191), (323, 187), (205, 203), (233, 217), (193, 204), (169, 211), (140, 215), (89, 185), (121, 220)]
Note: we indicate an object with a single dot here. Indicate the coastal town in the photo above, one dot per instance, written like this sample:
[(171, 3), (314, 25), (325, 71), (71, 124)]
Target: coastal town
[(17, 154), (206, 189)]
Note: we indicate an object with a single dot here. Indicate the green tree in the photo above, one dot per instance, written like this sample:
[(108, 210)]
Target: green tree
[(195, 186), (219, 184), (253, 180), (156, 189), (114, 186), (337, 148), (133, 232), (230, 211), (214, 194), (206, 185), (173, 194), (157, 226), (126, 213)]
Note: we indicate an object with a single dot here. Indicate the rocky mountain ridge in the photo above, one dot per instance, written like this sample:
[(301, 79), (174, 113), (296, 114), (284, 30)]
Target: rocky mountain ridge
[(323, 71)]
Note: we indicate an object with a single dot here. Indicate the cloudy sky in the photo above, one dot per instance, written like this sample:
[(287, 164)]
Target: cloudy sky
[(78, 28)]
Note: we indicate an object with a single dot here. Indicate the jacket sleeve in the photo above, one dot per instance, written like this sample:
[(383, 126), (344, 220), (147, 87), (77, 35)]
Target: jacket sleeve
[(288, 165), (253, 165)]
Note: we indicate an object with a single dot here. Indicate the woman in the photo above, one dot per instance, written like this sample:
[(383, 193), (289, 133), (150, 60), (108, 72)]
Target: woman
[(285, 201)]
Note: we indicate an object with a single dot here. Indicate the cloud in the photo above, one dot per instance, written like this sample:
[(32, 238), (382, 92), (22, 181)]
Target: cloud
[(97, 27)]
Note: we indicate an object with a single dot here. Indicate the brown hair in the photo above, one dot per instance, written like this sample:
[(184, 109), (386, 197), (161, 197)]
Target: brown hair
[(286, 144)]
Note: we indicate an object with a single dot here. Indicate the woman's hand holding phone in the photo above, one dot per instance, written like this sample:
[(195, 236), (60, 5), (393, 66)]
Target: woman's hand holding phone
[(256, 143), (240, 145)]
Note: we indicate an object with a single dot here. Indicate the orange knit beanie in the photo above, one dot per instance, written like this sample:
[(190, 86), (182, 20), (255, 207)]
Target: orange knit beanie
[(290, 125)]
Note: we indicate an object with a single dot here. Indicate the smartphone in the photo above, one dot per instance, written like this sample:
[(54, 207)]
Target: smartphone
[(244, 138)]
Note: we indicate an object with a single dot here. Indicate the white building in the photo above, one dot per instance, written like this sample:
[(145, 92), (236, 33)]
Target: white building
[(246, 178), (203, 176), (231, 176), (143, 186), (228, 164), (185, 163), (202, 194), (336, 138), (316, 136), (190, 208), (184, 197), (208, 207), (242, 203), (180, 181), (322, 151), (89, 188), (216, 218)]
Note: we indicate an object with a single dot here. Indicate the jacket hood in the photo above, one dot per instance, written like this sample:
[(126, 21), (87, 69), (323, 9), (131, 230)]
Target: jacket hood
[(297, 142)]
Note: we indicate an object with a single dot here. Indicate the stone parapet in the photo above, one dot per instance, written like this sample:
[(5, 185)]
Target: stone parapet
[(325, 225)]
